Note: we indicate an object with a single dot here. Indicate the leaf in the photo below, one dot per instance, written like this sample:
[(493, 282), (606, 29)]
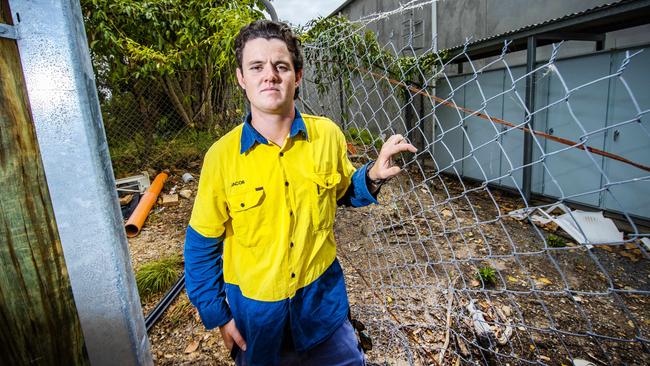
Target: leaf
[(192, 346), (543, 281)]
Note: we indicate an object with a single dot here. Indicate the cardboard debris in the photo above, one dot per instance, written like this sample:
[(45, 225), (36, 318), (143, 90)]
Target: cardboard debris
[(126, 200), (168, 199), (186, 193), (584, 227)]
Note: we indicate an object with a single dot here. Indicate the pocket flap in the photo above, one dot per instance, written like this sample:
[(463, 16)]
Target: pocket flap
[(327, 180), (246, 200)]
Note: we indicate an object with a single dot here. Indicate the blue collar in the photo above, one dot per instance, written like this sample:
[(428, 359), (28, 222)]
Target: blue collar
[(249, 135)]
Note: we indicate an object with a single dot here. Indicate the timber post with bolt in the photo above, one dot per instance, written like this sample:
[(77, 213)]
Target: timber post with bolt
[(39, 316)]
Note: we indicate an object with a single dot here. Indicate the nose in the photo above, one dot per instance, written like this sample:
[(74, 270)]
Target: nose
[(270, 74)]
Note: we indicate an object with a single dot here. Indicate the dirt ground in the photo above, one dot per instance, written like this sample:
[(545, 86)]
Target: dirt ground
[(411, 264)]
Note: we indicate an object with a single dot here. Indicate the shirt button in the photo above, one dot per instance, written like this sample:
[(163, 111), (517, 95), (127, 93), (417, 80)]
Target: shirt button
[(293, 275), (290, 213), (242, 204), (286, 184), (291, 245), (281, 154)]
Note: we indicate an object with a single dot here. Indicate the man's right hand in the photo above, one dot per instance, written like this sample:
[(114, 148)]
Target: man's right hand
[(231, 335)]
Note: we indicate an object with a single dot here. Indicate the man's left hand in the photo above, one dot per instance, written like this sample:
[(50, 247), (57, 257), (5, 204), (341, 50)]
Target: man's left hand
[(383, 167)]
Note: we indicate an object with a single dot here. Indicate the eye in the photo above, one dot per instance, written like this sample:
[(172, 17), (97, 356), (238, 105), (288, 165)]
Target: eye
[(256, 68), (283, 68)]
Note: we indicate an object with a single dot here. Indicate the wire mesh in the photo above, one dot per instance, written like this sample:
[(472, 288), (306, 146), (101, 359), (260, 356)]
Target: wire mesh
[(149, 125), (457, 264)]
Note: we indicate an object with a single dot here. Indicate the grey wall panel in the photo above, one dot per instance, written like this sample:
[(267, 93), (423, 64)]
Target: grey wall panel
[(459, 19), (512, 139), (571, 172), (393, 31), (631, 140), (482, 150), (448, 146)]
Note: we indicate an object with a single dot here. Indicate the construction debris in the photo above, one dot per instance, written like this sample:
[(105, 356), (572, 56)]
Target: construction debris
[(187, 177), (125, 200), (169, 199), (584, 227)]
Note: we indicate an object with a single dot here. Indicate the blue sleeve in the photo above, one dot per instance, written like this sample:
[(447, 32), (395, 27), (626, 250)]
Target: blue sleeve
[(204, 278), (358, 194)]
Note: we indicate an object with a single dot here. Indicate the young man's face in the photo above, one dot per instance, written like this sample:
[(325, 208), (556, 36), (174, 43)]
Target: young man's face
[(268, 76)]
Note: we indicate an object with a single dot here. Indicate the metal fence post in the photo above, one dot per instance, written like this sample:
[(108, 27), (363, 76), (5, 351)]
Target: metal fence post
[(531, 54)]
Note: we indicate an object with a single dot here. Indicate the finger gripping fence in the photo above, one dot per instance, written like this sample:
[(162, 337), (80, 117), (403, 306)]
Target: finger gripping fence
[(458, 265)]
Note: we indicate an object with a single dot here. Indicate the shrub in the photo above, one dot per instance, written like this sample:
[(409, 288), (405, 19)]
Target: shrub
[(364, 137)]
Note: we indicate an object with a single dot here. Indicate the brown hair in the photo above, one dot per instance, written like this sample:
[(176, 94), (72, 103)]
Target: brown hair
[(268, 29)]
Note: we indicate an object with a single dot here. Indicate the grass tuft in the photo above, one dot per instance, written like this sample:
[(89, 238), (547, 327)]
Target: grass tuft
[(159, 275), (181, 311), (487, 275)]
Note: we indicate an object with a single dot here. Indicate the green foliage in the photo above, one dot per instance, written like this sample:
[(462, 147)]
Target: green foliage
[(487, 275), (129, 156), (338, 47), (555, 241), (158, 276), (363, 137), (154, 37), (163, 53)]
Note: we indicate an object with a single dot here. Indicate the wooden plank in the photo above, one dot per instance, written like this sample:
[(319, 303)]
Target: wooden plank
[(37, 309)]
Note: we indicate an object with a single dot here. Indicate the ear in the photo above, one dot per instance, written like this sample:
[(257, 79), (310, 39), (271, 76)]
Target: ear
[(240, 79), (298, 77)]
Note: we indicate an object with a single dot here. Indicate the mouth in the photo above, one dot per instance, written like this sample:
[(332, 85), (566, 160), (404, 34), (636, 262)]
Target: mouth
[(270, 90)]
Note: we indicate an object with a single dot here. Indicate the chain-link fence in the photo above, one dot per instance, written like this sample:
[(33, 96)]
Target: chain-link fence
[(459, 263), (149, 124), (465, 260)]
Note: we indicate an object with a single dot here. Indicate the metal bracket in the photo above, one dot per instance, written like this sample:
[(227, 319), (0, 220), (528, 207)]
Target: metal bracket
[(8, 31), (137, 183)]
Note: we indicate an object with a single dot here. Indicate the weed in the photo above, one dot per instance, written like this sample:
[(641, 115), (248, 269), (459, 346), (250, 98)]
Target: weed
[(181, 310), (487, 275), (555, 241), (159, 275)]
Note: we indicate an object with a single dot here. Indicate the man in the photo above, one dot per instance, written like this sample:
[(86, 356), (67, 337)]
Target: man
[(260, 256)]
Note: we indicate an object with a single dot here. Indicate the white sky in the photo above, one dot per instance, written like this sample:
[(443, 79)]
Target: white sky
[(301, 11)]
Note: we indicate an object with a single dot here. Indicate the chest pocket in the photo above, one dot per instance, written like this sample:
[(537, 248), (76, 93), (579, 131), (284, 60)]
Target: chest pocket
[(246, 213), (324, 199)]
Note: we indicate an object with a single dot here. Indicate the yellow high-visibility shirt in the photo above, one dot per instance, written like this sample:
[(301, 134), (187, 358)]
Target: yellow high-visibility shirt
[(274, 206)]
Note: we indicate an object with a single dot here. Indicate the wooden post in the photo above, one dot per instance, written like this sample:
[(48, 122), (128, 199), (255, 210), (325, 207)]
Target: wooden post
[(39, 319)]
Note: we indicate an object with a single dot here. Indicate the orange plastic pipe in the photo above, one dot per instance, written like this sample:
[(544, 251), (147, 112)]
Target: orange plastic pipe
[(136, 220)]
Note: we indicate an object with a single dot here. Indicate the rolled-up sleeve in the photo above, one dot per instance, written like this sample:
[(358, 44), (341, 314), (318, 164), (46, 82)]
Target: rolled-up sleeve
[(353, 190)]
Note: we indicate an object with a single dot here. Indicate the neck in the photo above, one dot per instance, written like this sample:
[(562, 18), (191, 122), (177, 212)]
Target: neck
[(273, 126)]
